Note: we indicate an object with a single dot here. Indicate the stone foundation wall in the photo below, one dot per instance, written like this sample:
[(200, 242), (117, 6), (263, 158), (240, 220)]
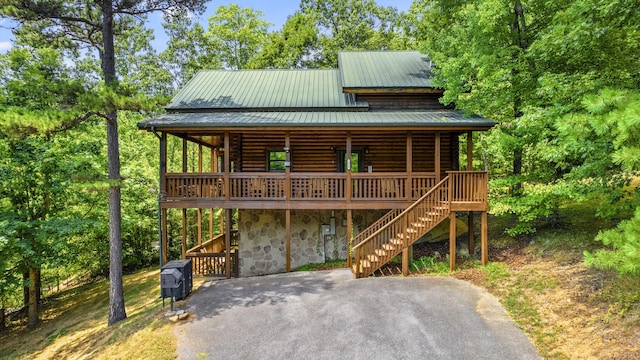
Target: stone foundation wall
[(262, 248)]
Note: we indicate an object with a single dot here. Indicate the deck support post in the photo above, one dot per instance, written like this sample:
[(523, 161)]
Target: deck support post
[(199, 211), (471, 240), (349, 183), (409, 183), (184, 234), (184, 211), (405, 262), (349, 237), (409, 196), (164, 239), (287, 237), (227, 243), (452, 240), (484, 241), (163, 212)]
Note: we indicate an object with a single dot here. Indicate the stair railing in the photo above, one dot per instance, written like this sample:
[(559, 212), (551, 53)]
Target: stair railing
[(403, 230)]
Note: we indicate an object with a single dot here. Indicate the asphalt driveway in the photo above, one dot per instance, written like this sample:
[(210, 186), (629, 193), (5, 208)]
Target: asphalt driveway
[(330, 315)]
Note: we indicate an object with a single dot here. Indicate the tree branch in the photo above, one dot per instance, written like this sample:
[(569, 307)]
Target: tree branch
[(73, 123)]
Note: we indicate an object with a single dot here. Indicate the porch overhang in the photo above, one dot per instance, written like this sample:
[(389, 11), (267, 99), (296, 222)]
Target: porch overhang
[(344, 120)]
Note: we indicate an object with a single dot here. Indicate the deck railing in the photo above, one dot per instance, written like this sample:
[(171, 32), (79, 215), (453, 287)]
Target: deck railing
[(212, 264), (304, 186)]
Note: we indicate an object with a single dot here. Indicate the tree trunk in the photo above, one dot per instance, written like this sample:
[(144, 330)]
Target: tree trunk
[(33, 298), (38, 286), (3, 323), (25, 289), (116, 292), (517, 169)]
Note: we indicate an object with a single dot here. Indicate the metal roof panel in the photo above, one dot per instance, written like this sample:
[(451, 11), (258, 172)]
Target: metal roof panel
[(384, 69), (263, 89)]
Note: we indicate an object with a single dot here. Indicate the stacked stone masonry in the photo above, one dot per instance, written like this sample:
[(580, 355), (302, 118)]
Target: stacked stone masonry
[(262, 248)]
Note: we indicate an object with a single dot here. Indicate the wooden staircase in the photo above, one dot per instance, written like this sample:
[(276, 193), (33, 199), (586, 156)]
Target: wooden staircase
[(399, 229)]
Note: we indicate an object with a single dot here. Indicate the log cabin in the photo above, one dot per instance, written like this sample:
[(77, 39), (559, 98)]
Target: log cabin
[(357, 162)]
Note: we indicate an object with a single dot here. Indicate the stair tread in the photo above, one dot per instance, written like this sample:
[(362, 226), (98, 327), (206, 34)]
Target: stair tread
[(381, 252)]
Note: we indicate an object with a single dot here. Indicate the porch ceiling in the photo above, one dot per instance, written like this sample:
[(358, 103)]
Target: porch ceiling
[(440, 119)]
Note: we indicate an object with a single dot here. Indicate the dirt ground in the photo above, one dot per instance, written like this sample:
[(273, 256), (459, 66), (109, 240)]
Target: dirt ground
[(569, 311)]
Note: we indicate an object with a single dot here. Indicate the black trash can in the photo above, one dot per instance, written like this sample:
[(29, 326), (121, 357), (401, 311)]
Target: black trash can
[(171, 284)]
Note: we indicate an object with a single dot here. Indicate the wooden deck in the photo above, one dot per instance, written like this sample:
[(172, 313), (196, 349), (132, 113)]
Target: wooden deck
[(317, 190)]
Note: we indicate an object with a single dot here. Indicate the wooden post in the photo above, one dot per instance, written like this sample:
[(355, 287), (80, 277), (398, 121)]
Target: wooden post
[(287, 238), (348, 185), (165, 237), (227, 167), (349, 237), (452, 240), (470, 236), (437, 157), (408, 191), (469, 151), (184, 155), (199, 211), (162, 187), (287, 169), (484, 241), (407, 253), (214, 160), (227, 243), (213, 164), (163, 164), (471, 241), (184, 234)]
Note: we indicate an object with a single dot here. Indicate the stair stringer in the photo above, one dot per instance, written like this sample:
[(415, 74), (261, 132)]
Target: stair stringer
[(402, 231)]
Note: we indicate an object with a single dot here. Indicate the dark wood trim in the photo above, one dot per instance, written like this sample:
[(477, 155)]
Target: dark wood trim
[(390, 90), (471, 243), (179, 131)]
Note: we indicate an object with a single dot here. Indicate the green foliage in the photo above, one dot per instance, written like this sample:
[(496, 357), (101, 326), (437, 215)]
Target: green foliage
[(352, 25), (623, 252), (236, 34), (430, 264), (290, 48)]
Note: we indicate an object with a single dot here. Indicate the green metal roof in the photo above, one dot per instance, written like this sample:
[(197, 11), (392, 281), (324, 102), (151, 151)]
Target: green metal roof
[(253, 90), (384, 69), (442, 118)]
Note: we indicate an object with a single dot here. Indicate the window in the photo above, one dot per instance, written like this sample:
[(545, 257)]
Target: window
[(276, 160)]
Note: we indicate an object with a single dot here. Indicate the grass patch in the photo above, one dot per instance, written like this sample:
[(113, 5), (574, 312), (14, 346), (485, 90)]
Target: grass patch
[(328, 265), (431, 265), (74, 325)]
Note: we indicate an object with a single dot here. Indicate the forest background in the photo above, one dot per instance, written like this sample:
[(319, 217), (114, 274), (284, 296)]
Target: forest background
[(562, 78)]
